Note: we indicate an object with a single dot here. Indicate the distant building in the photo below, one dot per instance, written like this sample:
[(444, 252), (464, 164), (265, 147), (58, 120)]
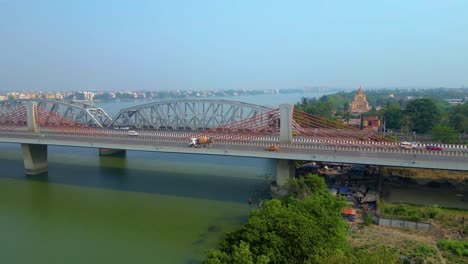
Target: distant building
[(455, 101), (372, 122), (359, 104), (366, 122), (88, 96)]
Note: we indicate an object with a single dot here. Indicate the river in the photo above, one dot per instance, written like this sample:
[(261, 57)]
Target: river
[(142, 208), (270, 100)]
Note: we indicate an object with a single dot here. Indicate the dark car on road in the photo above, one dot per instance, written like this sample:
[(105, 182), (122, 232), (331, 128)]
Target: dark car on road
[(432, 147)]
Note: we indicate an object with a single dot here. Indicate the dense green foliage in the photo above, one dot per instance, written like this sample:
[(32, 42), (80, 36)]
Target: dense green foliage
[(305, 227), (459, 117), (444, 134), (291, 230), (320, 107), (393, 116), (407, 111), (423, 114)]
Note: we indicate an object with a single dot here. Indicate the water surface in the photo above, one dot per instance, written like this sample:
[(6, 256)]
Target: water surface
[(142, 208)]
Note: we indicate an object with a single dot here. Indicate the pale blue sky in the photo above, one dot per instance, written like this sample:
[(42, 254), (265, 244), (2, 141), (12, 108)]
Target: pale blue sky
[(96, 44)]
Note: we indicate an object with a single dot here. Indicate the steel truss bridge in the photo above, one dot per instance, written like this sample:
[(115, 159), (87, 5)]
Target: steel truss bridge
[(238, 129), (220, 119)]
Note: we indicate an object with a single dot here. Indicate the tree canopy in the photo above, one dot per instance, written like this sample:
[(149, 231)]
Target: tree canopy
[(402, 110), (305, 227), (423, 114)]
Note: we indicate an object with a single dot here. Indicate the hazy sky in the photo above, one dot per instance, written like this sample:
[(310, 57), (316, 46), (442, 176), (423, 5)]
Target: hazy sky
[(171, 44)]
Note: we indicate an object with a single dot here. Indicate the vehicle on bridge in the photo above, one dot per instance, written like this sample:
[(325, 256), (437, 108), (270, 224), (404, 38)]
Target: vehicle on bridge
[(132, 133), (272, 148), (407, 145), (433, 147), (199, 142)]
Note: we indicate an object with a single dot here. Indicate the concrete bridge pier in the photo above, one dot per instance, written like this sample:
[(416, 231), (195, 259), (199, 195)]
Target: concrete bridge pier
[(286, 113), (35, 158), (284, 171)]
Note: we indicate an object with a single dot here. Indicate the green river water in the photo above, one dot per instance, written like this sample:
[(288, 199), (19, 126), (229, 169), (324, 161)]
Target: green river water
[(142, 208)]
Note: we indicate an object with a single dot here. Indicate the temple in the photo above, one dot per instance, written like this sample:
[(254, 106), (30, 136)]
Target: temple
[(359, 104)]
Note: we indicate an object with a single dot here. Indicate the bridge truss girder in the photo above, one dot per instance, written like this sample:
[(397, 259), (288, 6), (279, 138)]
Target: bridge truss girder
[(89, 117), (188, 114)]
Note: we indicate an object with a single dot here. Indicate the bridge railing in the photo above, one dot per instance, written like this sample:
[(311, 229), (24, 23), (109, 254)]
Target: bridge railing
[(169, 137)]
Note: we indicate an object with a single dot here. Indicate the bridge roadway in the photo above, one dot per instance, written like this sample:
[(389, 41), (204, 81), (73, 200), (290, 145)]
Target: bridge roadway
[(453, 159)]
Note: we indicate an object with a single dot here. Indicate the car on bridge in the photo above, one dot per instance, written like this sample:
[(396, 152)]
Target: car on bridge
[(433, 147), (407, 145), (132, 133)]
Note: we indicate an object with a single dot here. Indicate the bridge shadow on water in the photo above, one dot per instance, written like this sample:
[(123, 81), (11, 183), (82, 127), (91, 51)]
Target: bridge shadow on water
[(186, 180)]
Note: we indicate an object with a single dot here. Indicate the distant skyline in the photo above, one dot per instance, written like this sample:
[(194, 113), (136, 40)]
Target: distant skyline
[(200, 45)]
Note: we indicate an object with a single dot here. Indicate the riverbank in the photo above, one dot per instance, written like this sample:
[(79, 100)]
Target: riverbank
[(418, 246), (426, 187)]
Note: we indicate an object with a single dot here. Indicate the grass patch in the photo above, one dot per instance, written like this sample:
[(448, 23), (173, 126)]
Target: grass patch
[(454, 251), (408, 212), (447, 218), (417, 252)]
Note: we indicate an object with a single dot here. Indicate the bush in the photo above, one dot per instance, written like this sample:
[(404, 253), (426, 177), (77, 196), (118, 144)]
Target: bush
[(296, 229), (368, 219), (432, 211)]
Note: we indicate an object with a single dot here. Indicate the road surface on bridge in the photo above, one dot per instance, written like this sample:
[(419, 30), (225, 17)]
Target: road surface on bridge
[(178, 143)]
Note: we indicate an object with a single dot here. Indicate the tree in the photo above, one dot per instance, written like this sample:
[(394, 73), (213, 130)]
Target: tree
[(393, 116), (423, 113), (148, 95), (444, 134), (459, 118), (304, 227), (103, 96), (292, 230), (241, 254)]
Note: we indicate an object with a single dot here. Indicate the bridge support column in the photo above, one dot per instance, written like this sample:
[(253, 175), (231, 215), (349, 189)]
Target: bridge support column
[(286, 111), (31, 116), (35, 158), (284, 171), (380, 178)]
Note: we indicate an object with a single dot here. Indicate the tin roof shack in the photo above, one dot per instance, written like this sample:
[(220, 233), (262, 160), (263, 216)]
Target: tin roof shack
[(349, 214), (370, 197), (333, 176), (307, 168), (345, 191), (359, 175)]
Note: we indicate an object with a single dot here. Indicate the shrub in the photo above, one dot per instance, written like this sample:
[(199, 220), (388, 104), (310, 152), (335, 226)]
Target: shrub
[(295, 229), (368, 219), (432, 211)]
